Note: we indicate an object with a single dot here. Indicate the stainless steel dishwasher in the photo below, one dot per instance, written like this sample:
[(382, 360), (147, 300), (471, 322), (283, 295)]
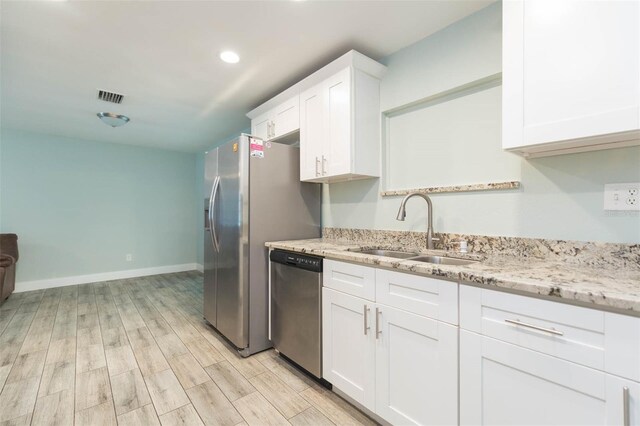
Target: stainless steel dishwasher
[(296, 308)]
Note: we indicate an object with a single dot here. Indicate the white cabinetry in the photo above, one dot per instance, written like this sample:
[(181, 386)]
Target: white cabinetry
[(280, 121), (391, 358), (348, 345), (504, 384), (532, 361), (340, 128), (337, 110), (416, 368), (571, 75)]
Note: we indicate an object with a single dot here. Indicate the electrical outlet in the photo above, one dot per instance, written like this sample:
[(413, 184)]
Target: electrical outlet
[(622, 196), (129, 257)]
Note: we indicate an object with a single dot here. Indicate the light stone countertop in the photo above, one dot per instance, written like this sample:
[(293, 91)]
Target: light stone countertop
[(604, 286)]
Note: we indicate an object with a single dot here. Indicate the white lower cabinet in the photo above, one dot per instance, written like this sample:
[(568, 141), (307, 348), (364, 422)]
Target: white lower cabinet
[(514, 360), (504, 384), (400, 365), (348, 345), (416, 369)]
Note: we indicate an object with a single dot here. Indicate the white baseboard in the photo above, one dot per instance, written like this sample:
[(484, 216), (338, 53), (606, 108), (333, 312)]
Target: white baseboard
[(104, 276), (199, 267)]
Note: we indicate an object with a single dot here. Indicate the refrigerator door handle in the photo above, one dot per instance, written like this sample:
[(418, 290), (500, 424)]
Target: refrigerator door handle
[(212, 206)]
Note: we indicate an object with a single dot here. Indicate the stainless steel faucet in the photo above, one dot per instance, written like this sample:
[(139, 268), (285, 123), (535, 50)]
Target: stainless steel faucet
[(402, 214)]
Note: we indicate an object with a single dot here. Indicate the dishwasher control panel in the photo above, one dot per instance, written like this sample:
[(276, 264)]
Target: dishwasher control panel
[(311, 263)]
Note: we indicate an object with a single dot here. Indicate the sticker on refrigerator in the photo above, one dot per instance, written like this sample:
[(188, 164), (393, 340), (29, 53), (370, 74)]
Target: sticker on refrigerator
[(256, 148)]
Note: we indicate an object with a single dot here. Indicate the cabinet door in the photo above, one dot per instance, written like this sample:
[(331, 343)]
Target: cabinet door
[(336, 155), (286, 117), (348, 346), (570, 70), (416, 369), (311, 133), (503, 384), (261, 125)]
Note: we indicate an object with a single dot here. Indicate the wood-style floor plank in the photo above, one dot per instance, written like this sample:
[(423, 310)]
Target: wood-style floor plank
[(183, 416), (212, 406), (257, 411), (310, 417), (188, 371), (229, 380), (138, 352), (143, 416), (92, 388), (129, 391), (281, 396), (98, 415), (166, 392), (55, 409)]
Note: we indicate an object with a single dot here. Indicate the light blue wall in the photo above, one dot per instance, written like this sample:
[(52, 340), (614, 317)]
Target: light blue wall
[(79, 206), (561, 197)]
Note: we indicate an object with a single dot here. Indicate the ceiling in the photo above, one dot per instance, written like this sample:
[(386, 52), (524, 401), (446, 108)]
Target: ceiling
[(163, 55)]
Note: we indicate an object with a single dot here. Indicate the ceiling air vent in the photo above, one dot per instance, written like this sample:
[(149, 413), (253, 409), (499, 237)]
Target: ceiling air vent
[(112, 97)]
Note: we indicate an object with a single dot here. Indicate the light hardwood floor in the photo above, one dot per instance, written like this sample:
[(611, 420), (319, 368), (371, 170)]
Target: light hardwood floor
[(137, 352)]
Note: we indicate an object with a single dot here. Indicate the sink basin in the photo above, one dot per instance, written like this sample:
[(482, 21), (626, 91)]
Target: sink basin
[(389, 253), (443, 260)]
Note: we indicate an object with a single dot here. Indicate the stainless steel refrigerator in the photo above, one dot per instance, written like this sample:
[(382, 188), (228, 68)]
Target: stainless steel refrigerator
[(254, 195)]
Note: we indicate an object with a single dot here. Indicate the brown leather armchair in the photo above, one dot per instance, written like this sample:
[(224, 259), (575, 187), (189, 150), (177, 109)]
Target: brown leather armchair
[(8, 259)]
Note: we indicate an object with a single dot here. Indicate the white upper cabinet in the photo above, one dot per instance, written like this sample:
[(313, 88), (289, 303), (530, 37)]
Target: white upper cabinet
[(340, 129), (279, 121), (261, 126), (337, 112), (571, 75)]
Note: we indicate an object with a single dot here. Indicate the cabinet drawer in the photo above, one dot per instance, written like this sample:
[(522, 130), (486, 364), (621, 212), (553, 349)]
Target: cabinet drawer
[(356, 280), (430, 297), (597, 339)]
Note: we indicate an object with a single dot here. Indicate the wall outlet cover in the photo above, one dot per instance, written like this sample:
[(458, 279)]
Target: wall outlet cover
[(622, 196)]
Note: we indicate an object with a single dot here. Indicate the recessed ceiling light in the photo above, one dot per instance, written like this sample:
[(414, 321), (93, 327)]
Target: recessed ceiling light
[(230, 57)]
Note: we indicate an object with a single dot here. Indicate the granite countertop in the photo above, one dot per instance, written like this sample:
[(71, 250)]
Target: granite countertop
[(603, 286)]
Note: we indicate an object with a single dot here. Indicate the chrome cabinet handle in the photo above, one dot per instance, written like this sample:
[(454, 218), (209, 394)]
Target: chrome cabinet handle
[(273, 129), (625, 407), (269, 129), (366, 319), (534, 327), (378, 331), (317, 166), (324, 163)]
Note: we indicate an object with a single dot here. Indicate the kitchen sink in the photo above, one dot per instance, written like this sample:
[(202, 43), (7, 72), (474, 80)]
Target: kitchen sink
[(389, 253), (442, 260)]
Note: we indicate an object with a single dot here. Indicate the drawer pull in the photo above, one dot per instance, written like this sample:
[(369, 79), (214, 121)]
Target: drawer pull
[(534, 327), (625, 406), (378, 331)]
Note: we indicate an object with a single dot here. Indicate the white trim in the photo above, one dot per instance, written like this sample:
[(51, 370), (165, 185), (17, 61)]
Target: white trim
[(104, 276), (199, 267)]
